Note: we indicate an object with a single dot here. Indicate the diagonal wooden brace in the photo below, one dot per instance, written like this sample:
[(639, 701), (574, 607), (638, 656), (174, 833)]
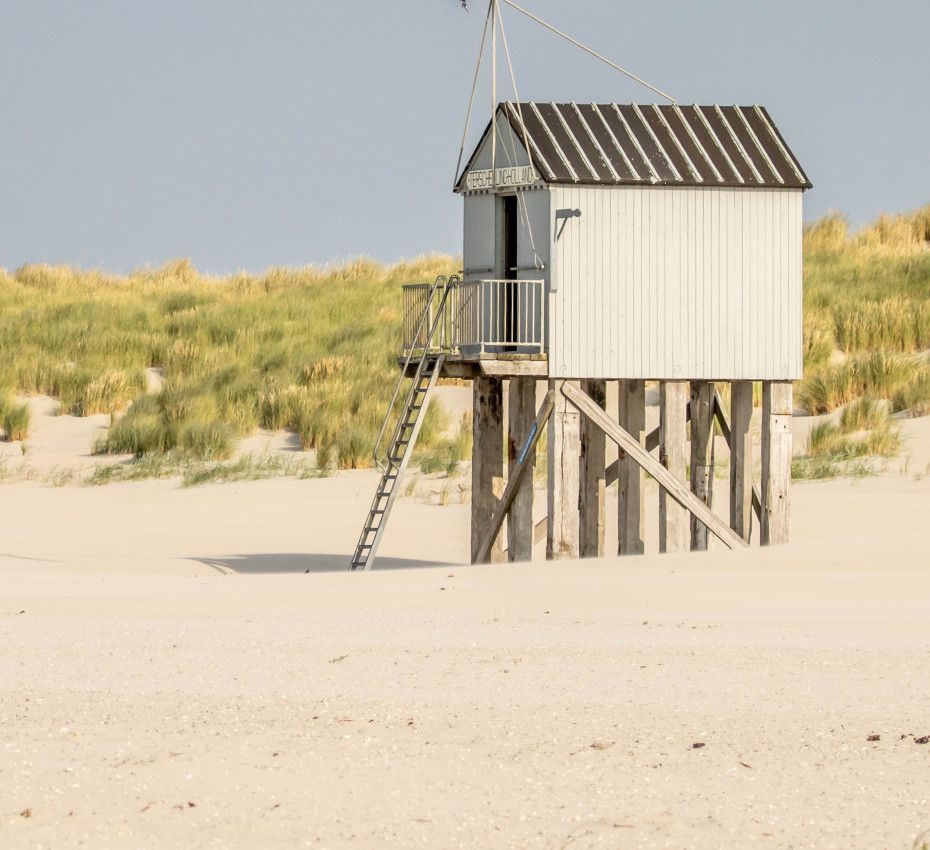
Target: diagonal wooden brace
[(497, 521), (724, 422), (678, 490)]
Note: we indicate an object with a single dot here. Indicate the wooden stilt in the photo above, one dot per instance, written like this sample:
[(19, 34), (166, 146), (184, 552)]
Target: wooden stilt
[(521, 414), (562, 539), (522, 468), (487, 459), (592, 473), (631, 516), (776, 461), (673, 413), (740, 439), (702, 455)]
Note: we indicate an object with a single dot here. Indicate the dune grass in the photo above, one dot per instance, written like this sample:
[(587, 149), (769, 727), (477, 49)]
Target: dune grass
[(866, 339), (867, 313), (849, 445), (15, 419), (310, 350)]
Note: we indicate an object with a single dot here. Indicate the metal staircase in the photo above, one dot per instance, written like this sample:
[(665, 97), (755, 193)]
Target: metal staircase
[(429, 359)]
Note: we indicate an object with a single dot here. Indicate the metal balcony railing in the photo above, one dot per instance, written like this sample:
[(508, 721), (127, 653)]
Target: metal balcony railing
[(480, 316)]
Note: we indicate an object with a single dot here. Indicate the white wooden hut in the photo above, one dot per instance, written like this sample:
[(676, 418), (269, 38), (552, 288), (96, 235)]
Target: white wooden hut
[(627, 243), (668, 238)]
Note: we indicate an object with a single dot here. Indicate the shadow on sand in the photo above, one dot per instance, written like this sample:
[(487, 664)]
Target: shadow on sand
[(304, 563)]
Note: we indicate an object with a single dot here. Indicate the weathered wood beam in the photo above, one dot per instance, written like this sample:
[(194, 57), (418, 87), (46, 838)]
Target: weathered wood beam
[(702, 455), (776, 462), (487, 458), (523, 465), (631, 514), (521, 412), (677, 489), (651, 443), (673, 423), (591, 503), (564, 446), (724, 423), (739, 438)]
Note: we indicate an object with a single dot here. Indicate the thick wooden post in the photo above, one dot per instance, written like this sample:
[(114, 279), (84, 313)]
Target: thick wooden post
[(593, 481), (521, 414), (562, 537), (702, 456), (673, 420), (776, 462), (631, 516), (487, 457), (741, 458)]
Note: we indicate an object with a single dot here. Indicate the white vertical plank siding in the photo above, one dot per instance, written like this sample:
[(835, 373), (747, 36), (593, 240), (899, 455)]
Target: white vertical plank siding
[(673, 283)]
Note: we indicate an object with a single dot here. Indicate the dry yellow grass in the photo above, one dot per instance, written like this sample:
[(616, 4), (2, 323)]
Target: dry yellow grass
[(311, 350)]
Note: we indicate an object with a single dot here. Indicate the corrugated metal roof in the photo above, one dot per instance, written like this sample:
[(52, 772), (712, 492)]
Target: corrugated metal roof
[(665, 145)]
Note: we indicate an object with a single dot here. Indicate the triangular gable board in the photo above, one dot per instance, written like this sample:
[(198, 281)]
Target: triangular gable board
[(514, 168)]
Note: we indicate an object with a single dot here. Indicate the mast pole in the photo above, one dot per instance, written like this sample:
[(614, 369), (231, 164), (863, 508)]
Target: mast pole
[(494, 13)]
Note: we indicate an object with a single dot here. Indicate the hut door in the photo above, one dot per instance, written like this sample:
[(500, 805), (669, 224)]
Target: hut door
[(508, 318)]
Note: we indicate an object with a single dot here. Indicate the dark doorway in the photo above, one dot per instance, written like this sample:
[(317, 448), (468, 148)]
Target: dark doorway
[(510, 237), (509, 325)]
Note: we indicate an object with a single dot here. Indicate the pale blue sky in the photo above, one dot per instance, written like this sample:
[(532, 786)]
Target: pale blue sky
[(284, 132)]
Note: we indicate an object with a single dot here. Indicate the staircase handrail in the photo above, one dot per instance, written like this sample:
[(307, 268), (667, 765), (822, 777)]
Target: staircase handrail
[(444, 285)]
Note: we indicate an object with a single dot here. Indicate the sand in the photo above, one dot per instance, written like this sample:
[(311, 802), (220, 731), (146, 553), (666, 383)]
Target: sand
[(172, 676)]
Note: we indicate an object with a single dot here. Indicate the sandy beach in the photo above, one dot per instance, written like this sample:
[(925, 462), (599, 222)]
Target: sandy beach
[(193, 668)]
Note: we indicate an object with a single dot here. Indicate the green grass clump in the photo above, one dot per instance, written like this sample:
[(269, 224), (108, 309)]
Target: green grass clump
[(878, 374), (914, 397), (211, 440), (866, 414), (15, 419), (829, 440), (847, 447), (177, 418), (111, 392)]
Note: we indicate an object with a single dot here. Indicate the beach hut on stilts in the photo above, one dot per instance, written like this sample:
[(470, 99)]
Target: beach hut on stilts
[(612, 242)]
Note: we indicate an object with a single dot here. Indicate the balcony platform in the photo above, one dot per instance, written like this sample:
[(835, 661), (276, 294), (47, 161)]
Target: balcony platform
[(490, 365)]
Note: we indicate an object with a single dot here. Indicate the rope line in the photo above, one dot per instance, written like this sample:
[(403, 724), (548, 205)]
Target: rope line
[(471, 97), (593, 53), (526, 142)]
